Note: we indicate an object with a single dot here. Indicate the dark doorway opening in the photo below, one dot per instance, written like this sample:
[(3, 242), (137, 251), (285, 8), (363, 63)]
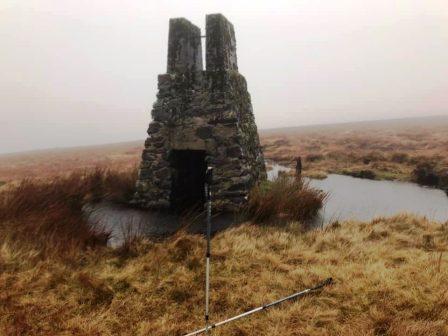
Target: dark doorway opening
[(188, 179)]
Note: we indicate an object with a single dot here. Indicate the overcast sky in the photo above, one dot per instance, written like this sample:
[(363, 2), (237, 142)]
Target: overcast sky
[(75, 72)]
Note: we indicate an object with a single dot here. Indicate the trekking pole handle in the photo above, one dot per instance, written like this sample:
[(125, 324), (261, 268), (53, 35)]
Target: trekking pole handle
[(209, 175)]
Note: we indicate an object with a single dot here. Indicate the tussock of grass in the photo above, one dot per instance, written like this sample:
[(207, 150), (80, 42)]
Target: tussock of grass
[(286, 198), (48, 214), (390, 279)]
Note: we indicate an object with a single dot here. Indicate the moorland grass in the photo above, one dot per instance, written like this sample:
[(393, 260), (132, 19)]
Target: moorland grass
[(390, 279), (378, 153), (49, 215), (390, 274)]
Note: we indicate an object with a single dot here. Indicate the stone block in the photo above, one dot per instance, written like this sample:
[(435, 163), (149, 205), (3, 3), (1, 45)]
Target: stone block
[(184, 47), (221, 44), (154, 127), (204, 132)]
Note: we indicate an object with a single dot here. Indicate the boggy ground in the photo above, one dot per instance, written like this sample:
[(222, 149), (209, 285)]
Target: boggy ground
[(406, 150), (390, 279)]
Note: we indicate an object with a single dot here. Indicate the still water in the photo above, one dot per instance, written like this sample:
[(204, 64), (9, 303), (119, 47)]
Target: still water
[(123, 223), (355, 198), (348, 198), (362, 199)]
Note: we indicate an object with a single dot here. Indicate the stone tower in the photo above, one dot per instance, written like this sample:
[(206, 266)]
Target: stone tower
[(200, 117)]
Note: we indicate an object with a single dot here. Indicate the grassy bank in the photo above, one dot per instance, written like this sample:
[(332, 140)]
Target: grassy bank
[(390, 280)]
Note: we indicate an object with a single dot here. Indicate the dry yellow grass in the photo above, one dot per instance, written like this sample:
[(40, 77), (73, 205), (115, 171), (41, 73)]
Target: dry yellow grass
[(389, 151), (390, 279), (284, 198)]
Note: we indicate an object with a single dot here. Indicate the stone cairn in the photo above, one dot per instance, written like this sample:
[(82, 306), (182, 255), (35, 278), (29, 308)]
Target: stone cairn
[(209, 111)]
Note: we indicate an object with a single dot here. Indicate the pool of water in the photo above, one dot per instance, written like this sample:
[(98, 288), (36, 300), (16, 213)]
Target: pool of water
[(348, 198), (362, 199), (124, 223), (355, 198), (275, 169)]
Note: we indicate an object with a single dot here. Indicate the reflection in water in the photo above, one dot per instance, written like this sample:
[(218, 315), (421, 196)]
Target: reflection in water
[(355, 198), (125, 223)]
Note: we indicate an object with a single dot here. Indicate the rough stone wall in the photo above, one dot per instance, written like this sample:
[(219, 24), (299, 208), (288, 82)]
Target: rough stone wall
[(184, 47), (221, 44), (204, 110)]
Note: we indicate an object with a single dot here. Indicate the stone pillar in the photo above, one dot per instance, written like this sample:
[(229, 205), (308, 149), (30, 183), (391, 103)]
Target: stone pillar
[(184, 47), (220, 44), (209, 111)]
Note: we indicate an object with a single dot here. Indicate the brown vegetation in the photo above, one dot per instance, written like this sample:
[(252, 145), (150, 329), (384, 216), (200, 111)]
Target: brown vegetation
[(56, 162), (377, 152), (57, 278), (48, 215), (390, 279), (285, 198)]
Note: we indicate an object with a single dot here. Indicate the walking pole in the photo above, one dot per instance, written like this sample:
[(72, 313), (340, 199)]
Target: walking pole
[(208, 197), (266, 306)]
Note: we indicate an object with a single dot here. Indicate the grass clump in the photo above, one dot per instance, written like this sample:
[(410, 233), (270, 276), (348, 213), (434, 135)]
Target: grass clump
[(285, 197), (362, 173), (49, 215), (431, 174)]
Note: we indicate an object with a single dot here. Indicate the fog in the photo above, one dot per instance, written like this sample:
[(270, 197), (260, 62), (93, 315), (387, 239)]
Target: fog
[(77, 72)]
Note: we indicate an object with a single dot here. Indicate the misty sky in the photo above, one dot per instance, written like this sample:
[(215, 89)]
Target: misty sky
[(75, 72)]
